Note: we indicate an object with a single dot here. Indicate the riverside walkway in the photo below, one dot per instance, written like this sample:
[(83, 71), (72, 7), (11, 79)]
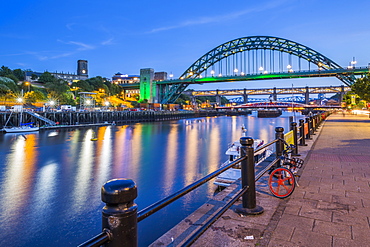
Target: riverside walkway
[(331, 207)]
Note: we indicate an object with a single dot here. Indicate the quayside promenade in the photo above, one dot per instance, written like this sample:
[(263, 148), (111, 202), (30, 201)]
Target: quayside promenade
[(331, 207)]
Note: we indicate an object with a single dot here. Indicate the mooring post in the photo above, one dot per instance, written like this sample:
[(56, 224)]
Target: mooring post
[(308, 136), (119, 215), (279, 146), (301, 133), (312, 129), (249, 203), (293, 126)]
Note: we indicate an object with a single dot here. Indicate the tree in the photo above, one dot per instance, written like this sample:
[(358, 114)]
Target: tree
[(5, 71), (34, 96), (47, 77), (362, 88), (19, 74)]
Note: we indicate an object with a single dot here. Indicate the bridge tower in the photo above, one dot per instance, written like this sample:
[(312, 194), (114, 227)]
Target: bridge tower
[(307, 96), (341, 94), (147, 90), (274, 94), (218, 98), (245, 96)]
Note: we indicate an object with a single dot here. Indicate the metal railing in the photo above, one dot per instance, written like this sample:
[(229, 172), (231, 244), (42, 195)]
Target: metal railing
[(120, 216)]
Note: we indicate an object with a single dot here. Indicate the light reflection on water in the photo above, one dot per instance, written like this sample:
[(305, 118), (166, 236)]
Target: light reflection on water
[(50, 181)]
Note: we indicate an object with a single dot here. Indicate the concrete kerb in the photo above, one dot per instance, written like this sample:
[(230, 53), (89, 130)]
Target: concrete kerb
[(232, 229)]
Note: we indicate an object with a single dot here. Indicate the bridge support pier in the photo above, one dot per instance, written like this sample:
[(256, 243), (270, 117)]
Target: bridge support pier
[(146, 84), (342, 94), (274, 95), (307, 96), (218, 98), (245, 96)]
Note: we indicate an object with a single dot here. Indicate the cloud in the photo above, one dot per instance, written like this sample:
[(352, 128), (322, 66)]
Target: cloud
[(81, 46), (221, 18), (107, 42)]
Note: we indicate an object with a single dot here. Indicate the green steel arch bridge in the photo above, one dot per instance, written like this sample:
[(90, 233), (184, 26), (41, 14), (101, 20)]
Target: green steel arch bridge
[(246, 59)]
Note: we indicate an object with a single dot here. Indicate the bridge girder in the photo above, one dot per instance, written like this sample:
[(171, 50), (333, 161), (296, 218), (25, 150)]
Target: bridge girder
[(269, 91), (253, 43)]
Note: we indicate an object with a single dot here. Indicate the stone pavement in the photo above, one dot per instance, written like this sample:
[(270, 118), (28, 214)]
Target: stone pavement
[(331, 207)]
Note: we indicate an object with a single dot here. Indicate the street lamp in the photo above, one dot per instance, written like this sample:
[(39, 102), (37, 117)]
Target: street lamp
[(212, 72), (260, 69), (106, 103), (28, 84), (353, 62)]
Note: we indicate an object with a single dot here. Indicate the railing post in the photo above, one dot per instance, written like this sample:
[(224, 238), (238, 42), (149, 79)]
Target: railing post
[(302, 141), (293, 126), (308, 136), (119, 215), (249, 205), (311, 126), (279, 134)]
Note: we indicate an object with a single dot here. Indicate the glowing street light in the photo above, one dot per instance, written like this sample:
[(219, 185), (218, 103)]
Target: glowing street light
[(212, 72), (353, 62), (19, 100), (260, 69), (28, 85)]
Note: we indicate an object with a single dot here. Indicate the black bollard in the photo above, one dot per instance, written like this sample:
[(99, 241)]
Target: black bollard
[(312, 128), (119, 216), (279, 146), (249, 205), (301, 133), (308, 136), (293, 126)]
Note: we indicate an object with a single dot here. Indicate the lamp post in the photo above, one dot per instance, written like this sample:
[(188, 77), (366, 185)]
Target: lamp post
[(353, 62), (28, 85), (260, 69)]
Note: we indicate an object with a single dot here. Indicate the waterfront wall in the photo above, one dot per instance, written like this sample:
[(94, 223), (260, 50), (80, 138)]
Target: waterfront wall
[(95, 117)]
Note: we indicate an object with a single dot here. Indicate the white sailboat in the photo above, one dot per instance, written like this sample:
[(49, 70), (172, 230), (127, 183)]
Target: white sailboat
[(23, 127)]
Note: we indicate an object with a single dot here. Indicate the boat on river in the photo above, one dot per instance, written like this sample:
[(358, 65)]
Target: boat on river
[(23, 127), (265, 113), (232, 174)]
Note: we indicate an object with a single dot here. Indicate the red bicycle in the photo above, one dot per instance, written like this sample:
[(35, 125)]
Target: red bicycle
[(282, 180)]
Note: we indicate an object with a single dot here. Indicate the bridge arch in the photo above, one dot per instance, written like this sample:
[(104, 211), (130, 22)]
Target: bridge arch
[(261, 51)]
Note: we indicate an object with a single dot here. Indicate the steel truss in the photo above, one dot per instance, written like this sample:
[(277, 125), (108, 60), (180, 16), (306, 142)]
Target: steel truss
[(246, 44)]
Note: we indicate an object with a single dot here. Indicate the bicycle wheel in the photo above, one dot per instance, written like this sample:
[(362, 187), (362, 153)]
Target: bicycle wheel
[(281, 182)]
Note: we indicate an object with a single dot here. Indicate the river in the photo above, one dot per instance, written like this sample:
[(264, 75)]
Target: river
[(50, 181)]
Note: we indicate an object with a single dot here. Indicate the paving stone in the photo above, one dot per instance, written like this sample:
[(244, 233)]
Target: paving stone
[(361, 234), (333, 229), (346, 218), (314, 213), (309, 239), (344, 242)]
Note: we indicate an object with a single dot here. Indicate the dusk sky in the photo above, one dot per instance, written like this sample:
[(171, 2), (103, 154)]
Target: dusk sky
[(125, 36)]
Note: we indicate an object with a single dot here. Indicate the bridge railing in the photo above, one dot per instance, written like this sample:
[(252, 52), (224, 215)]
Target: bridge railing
[(120, 216)]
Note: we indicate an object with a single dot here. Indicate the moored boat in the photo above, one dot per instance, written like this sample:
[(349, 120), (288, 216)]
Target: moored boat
[(21, 129), (265, 113), (232, 174)]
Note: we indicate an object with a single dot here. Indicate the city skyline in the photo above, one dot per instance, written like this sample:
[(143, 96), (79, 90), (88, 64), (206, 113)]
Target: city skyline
[(169, 36)]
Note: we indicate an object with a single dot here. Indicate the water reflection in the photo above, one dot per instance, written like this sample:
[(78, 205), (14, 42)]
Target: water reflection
[(17, 185), (50, 181)]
